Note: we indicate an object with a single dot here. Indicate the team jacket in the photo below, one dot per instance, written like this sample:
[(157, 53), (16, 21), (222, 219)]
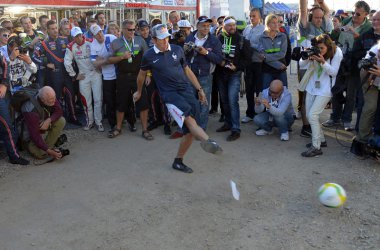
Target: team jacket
[(51, 51), (16, 73), (81, 53)]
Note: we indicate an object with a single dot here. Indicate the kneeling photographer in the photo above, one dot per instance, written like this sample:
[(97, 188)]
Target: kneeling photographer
[(322, 65), (370, 77), (43, 114)]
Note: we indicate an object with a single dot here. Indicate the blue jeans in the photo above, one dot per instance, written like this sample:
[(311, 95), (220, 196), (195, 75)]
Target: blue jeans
[(269, 77), (229, 88), (7, 132), (283, 122), (206, 84)]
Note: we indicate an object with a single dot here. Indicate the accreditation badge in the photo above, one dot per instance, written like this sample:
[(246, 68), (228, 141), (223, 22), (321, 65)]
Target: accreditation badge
[(130, 60)]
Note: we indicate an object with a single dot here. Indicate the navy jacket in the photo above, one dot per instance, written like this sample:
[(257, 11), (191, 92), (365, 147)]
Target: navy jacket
[(204, 65)]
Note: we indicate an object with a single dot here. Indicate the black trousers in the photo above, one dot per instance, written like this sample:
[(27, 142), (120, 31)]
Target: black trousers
[(109, 98), (253, 84)]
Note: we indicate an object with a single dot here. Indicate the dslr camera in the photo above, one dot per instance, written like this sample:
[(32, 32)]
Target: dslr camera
[(189, 47), (313, 51), (368, 63)]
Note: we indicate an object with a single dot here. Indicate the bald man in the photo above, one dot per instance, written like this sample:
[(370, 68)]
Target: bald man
[(43, 115), (274, 109)]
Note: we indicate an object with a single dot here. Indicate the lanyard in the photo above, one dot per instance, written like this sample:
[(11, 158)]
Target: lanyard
[(319, 71), (126, 44), (227, 42)]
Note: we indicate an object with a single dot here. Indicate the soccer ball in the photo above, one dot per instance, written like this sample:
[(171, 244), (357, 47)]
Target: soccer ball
[(332, 195)]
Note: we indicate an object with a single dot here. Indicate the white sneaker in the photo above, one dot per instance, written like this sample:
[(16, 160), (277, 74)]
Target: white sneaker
[(348, 126), (261, 132), (88, 127), (100, 128), (284, 136), (246, 119)]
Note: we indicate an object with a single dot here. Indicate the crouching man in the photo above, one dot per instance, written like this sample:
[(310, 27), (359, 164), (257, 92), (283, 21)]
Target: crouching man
[(43, 115), (274, 109)]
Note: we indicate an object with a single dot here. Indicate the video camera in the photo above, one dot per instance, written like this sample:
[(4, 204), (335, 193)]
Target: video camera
[(368, 63)]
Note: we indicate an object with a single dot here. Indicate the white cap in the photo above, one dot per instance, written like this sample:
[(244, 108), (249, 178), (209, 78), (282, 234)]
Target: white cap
[(76, 31), (184, 24), (95, 29), (160, 31)]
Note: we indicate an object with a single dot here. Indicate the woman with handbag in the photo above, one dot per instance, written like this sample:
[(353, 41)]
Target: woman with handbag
[(320, 77)]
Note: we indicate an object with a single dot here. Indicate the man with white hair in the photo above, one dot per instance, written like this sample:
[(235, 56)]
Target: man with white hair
[(90, 79), (43, 114)]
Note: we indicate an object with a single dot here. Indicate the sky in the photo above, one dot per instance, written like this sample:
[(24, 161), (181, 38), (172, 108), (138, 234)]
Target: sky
[(336, 4)]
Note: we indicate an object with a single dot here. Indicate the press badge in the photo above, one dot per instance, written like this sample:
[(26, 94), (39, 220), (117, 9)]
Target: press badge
[(317, 84), (130, 60)]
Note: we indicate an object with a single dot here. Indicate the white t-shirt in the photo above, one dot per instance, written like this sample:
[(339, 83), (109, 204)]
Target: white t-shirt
[(103, 50)]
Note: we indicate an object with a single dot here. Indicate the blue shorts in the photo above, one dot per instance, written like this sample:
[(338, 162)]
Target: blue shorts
[(185, 101)]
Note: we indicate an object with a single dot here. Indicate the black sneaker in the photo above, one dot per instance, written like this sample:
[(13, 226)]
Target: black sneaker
[(167, 130), (221, 119), (132, 127), (61, 140), (323, 144), (311, 152), (19, 161), (223, 128), (178, 165), (233, 136), (306, 132), (152, 126), (75, 122)]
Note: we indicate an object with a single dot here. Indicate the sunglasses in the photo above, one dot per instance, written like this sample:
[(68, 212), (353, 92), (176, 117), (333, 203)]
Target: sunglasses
[(6, 35), (355, 13), (130, 30), (281, 21)]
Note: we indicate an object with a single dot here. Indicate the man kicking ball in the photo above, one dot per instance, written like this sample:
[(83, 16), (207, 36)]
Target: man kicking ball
[(168, 66)]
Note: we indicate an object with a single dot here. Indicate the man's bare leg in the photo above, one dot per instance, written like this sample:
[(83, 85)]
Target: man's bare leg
[(119, 119), (184, 146)]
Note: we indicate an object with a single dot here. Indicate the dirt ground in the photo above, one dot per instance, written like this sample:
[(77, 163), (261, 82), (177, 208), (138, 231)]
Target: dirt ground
[(123, 194)]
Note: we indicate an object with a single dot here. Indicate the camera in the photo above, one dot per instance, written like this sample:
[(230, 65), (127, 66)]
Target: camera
[(23, 50), (313, 51), (64, 152), (368, 63), (61, 140), (189, 47)]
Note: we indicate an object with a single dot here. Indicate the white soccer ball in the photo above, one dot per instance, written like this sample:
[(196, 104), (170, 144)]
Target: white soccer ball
[(332, 195)]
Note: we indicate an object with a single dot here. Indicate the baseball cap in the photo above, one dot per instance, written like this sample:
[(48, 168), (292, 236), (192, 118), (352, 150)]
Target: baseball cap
[(142, 23), (160, 31), (339, 12), (95, 29), (184, 24), (203, 19), (76, 31)]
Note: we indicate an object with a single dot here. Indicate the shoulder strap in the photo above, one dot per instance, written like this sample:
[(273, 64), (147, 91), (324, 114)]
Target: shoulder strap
[(107, 43), (51, 53)]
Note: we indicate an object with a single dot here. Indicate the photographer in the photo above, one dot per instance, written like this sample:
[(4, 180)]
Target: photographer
[(371, 68), (274, 109), (43, 114), (318, 80), (204, 51), (14, 75), (310, 24), (237, 54), (351, 30)]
